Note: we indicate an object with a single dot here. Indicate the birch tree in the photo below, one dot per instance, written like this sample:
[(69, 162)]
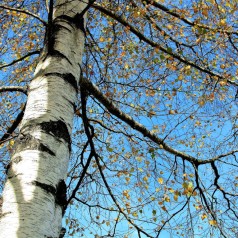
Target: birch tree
[(34, 195), (151, 87)]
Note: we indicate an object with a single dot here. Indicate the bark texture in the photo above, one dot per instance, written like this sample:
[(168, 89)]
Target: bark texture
[(34, 195)]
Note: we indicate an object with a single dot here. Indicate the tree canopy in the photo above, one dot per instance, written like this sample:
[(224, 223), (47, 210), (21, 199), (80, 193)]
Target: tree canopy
[(154, 144)]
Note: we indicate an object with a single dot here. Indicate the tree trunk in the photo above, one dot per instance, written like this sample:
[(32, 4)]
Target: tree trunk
[(34, 195)]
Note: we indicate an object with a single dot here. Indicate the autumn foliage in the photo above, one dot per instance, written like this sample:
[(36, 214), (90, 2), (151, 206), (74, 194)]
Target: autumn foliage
[(154, 145)]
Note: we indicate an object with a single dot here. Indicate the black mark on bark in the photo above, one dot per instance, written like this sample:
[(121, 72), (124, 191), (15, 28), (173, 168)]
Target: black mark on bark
[(69, 78), (46, 187), (59, 54), (61, 196), (51, 35), (77, 21), (58, 191), (58, 129), (26, 141)]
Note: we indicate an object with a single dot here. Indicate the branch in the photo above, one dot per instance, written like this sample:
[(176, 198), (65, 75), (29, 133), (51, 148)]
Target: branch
[(142, 37), (152, 21), (90, 136), (13, 89), (20, 59), (93, 152), (114, 199), (97, 205), (113, 109), (24, 12), (14, 125), (173, 215), (185, 20), (73, 195)]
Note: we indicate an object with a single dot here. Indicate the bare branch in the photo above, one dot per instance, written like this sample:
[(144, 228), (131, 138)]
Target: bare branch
[(14, 125), (13, 89), (20, 59), (90, 136), (115, 201)]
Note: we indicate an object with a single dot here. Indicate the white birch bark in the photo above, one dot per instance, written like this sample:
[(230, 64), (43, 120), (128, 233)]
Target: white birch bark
[(34, 196)]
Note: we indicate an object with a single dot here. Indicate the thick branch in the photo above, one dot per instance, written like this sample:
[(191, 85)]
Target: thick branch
[(112, 108), (13, 89)]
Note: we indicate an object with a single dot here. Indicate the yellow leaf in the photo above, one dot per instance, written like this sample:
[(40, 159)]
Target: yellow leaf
[(167, 199), (223, 83), (160, 180), (11, 142), (223, 22), (197, 123), (171, 190), (204, 216), (172, 112), (145, 178), (139, 159), (213, 222), (185, 185), (201, 101), (205, 12), (157, 49), (134, 214), (222, 66), (147, 162), (170, 27), (125, 193)]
